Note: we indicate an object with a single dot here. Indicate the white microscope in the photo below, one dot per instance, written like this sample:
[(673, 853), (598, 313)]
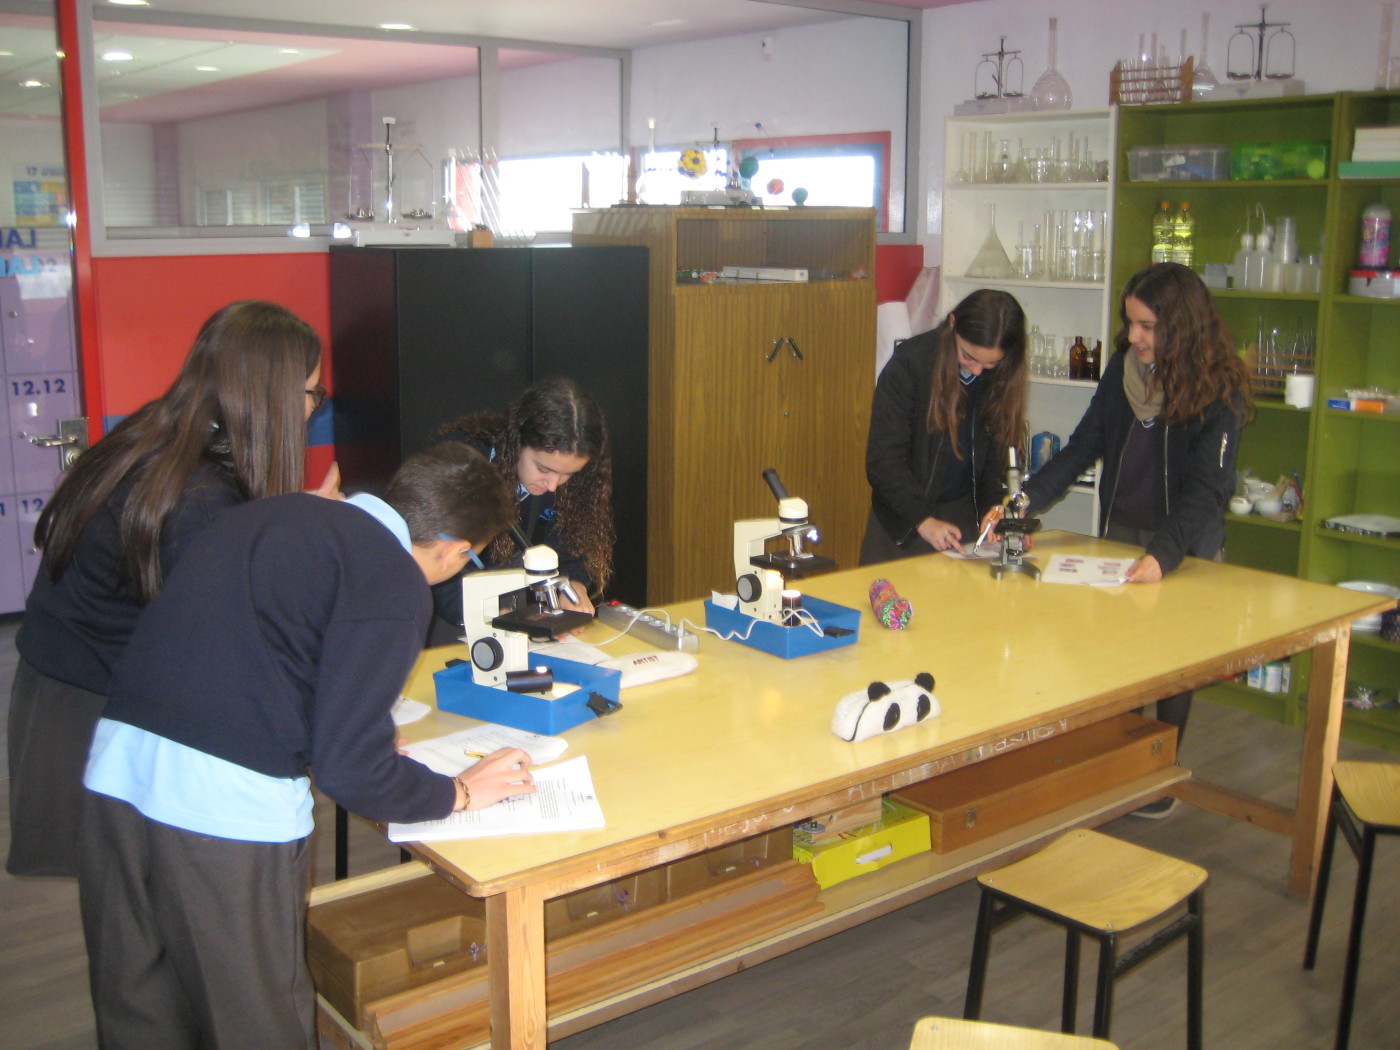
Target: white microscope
[(760, 577), (498, 642)]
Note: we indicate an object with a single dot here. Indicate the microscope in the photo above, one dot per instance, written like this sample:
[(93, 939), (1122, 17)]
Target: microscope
[(761, 576), (498, 641), (1014, 526)]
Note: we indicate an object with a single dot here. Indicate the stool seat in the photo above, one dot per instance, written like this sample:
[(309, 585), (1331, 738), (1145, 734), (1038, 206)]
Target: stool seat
[(1096, 886), (1372, 790), (1098, 881), (947, 1033), (1365, 804)]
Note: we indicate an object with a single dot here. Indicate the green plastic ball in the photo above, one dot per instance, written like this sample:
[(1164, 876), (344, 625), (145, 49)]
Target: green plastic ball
[(748, 167), (799, 196)]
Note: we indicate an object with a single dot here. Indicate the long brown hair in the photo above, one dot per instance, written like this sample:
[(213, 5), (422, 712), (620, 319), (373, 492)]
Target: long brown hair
[(238, 399), (556, 415), (985, 318), (1196, 363)]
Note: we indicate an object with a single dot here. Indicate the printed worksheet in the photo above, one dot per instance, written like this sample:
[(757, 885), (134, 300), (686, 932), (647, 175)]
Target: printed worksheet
[(563, 801), (1094, 572)]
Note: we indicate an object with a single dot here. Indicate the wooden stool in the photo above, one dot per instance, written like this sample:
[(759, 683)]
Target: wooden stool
[(1102, 887), (945, 1033), (1365, 803)]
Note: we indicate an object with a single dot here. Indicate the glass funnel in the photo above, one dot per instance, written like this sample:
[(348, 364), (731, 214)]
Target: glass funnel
[(991, 259)]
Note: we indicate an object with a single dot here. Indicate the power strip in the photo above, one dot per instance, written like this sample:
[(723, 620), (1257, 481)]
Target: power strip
[(647, 628)]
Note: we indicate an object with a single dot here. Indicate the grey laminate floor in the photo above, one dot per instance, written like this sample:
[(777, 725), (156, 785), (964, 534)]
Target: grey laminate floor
[(866, 987)]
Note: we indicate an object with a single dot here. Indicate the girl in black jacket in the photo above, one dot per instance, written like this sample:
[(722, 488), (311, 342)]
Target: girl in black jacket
[(947, 406), (1165, 421)]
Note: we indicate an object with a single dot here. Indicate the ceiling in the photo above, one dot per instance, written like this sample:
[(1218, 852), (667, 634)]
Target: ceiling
[(181, 73)]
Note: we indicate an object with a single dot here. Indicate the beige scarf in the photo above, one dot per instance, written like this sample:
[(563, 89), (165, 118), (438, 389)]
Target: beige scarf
[(1140, 387)]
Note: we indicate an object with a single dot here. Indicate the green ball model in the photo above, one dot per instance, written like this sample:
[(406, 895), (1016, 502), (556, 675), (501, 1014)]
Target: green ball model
[(799, 196), (748, 167)]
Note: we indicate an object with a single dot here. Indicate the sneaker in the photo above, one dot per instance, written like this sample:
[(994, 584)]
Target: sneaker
[(1156, 810)]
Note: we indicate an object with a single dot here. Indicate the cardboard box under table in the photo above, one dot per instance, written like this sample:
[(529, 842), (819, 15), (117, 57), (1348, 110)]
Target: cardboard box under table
[(981, 799), (901, 832)]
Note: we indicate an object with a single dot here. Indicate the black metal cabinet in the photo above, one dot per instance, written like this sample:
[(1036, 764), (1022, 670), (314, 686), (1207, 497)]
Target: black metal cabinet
[(420, 336)]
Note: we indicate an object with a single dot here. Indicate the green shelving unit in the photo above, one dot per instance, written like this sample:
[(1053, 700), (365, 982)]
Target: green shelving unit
[(1349, 462)]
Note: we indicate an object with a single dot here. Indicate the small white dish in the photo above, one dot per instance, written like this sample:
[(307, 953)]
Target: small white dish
[(1269, 507), (1370, 624), (1241, 504)]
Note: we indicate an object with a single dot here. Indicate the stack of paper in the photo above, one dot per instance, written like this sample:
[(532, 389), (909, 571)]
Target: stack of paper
[(1071, 568)]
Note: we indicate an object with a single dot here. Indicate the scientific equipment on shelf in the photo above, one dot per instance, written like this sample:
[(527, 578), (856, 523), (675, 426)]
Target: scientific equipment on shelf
[(761, 576), (1203, 80), (388, 222), (1051, 90), (1272, 56), (991, 260), (998, 84), (498, 641)]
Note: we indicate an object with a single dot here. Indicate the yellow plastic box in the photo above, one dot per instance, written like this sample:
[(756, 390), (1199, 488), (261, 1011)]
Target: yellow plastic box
[(901, 832)]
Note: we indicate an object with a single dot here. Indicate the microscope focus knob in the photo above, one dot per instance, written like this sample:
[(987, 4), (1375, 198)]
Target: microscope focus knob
[(487, 654), (749, 587)]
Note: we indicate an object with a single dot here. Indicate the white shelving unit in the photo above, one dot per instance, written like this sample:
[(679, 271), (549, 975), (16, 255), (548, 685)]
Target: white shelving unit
[(1059, 308)]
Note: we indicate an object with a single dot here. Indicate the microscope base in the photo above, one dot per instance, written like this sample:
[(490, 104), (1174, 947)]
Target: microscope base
[(1026, 568)]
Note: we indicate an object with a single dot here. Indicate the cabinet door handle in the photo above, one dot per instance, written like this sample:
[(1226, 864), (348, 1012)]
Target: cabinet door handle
[(777, 345), (796, 352)]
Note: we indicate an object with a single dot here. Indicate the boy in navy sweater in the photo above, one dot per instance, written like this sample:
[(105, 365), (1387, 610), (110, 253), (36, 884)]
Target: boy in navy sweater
[(274, 651)]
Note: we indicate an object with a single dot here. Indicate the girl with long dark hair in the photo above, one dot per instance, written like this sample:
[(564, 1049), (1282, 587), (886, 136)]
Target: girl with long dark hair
[(231, 428), (552, 446), (947, 406)]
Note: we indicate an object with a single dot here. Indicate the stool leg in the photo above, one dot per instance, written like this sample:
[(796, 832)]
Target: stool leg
[(1324, 871), (1195, 972), (1358, 919), (1103, 999), (981, 945), (342, 843), (1070, 1004)]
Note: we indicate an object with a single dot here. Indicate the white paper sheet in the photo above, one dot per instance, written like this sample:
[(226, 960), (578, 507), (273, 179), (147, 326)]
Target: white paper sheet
[(563, 801), (1094, 572)]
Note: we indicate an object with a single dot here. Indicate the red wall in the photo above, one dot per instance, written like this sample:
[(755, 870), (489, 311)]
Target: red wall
[(149, 310)]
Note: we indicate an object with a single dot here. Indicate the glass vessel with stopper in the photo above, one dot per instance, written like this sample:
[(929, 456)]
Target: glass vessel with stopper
[(1051, 90)]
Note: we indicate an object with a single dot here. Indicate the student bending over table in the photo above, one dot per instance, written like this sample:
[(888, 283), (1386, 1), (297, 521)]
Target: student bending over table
[(947, 406), (274, 651)]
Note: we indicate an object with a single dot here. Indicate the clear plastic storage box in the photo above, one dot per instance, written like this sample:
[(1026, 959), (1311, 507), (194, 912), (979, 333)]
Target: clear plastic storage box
[(1180, 163)]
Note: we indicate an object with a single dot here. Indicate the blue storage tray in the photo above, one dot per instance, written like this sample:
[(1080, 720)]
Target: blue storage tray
[(456, 692), (787, 642)]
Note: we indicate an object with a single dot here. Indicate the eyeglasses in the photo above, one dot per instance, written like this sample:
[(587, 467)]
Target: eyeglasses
[(318, 396)]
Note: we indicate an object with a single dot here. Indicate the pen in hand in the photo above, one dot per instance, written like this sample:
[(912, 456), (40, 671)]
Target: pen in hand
[(994, 517)]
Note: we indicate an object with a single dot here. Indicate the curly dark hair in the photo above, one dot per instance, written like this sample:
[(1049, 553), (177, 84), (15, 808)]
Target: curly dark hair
[(987, 318), (556, 415), (1196, 362)]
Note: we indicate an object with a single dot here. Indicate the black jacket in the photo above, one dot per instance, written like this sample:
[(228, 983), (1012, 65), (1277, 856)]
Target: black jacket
[(1198, 477), (907, 467)]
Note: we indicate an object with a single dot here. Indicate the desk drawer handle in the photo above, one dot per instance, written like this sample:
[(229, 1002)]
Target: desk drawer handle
[(875, 854)]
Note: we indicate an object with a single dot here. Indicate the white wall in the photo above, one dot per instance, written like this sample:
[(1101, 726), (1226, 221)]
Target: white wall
[(568, 105), (1337, 50), (128, 175), (833, 77)]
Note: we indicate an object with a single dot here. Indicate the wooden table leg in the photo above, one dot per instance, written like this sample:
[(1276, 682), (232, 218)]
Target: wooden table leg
[(1326, 687), (515, 940)]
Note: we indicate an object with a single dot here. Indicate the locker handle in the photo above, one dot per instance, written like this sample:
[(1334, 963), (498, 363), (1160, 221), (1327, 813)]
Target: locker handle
[(777, 345), (796, 352)]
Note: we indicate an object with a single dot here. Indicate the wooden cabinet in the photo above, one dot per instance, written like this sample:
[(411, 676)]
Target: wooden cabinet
[(1349, 462), (748, 375), (1024, 212)]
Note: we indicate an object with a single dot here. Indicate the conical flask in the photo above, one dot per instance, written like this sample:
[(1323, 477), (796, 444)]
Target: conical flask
[(1052, 90), (991, 259)]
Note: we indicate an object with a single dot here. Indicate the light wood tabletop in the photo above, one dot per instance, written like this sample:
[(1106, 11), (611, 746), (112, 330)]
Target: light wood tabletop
[(744, 744)]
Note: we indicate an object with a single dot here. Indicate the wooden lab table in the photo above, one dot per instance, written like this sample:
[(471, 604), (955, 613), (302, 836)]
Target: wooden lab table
[(744, 745)]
